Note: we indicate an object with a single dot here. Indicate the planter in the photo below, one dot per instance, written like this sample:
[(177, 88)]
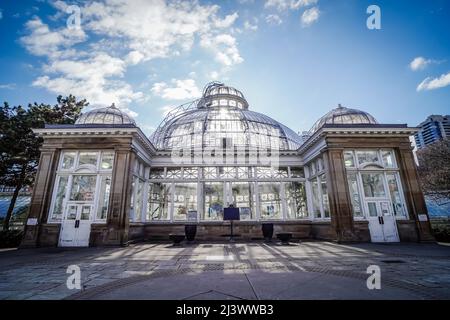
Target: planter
[(267, 230), (190, 230), (284, 237), (176, 238)]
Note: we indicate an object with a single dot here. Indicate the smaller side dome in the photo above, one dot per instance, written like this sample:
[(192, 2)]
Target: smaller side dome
[(110, 115), (343, 115)]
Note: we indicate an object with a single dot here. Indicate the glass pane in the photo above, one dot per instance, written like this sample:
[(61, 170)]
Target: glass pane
[(85, 212), (103, 199), (243, 198), (227, 172), (213, 195), (316, 198), (354, 194), (325, 202), (88, 158), (297, 172), (296, 200), (397, 203), (243, 172), (280, 173), (269, 200), (367, 157), (158, 201), (107, 160), (349, 159), (373, 185), (68, 160), (138, 203), (72, 212), (372, 209), (185, 201), (83, 188), (59, 200), (388, 159)]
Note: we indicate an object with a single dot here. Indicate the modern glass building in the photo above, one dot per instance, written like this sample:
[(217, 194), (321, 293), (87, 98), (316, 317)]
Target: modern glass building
[(102, 181), (433, 129)]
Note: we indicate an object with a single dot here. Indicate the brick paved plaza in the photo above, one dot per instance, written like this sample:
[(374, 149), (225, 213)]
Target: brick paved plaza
[(308, 270)]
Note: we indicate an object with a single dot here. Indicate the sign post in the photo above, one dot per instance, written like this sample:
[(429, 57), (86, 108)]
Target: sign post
[(231, 213)]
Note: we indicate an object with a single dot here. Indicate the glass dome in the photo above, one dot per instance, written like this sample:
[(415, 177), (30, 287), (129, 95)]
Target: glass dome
[(343, 115), (221, 117), (110, 115)]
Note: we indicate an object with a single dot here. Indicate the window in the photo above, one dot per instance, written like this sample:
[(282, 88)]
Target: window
[(190, 173), (210, 172), (59, 199), (297, 172), (243, 197), (88, 158), (388, 159), (68, 160), (354, 194), (295, 200), (325, 202), (316, 199), (365, 157), (269, 200), (83, 188), (397, 202), (158, 201), (107, 160), (185, 201), (373, 185), (103, 199), (139, 193), (349, 159), (213, 195), (174, 173)]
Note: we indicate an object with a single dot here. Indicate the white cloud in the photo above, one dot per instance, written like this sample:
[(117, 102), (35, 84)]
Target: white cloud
[(434, 83), (273, 19), (249, 26), (179, 90), (283, 5), (91, 62), (44, 42), (310, 16), (420, 63), (9, 86), (224, 47)]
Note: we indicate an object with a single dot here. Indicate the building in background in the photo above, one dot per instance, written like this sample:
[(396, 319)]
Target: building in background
[(101, 181), (433, 129)]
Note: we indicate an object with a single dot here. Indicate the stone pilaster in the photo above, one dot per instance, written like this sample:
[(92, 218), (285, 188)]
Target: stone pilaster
[(338, 195), (119, 209), (41, 197), (415, 200)]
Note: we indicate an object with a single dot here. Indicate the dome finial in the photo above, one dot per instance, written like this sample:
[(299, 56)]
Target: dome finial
[(340, 106)]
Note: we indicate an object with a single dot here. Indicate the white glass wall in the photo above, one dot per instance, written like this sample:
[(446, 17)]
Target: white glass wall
[(83, 177), (374, 175)]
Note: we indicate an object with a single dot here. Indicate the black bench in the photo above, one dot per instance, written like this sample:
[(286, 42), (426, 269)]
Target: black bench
[(284, 237)]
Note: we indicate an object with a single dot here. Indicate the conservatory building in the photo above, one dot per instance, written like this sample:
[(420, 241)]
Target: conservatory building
[(102, 181)]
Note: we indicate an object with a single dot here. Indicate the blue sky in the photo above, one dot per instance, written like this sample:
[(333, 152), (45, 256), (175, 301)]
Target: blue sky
[(294, 60)]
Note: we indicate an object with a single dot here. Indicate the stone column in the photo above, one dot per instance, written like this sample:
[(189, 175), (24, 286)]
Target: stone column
[(415, 200), (119, 210), (42, 195), (338, 195)]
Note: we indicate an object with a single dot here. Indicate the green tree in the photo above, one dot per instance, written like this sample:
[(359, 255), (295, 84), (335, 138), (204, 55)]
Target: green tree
[(19, 146)]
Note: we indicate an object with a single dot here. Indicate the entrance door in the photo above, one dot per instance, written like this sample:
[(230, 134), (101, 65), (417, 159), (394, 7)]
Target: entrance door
[(382, 224), (76, 226)]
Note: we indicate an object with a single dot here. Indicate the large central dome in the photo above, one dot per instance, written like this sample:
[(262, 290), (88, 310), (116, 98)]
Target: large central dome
[(221, 118)]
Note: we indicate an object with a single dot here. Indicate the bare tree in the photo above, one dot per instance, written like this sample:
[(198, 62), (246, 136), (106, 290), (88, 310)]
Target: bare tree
[(434, 169)]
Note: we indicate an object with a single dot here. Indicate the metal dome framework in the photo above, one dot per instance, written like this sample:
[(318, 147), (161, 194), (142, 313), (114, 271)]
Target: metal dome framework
[(343, 115), (110, 115), (222, 114)]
